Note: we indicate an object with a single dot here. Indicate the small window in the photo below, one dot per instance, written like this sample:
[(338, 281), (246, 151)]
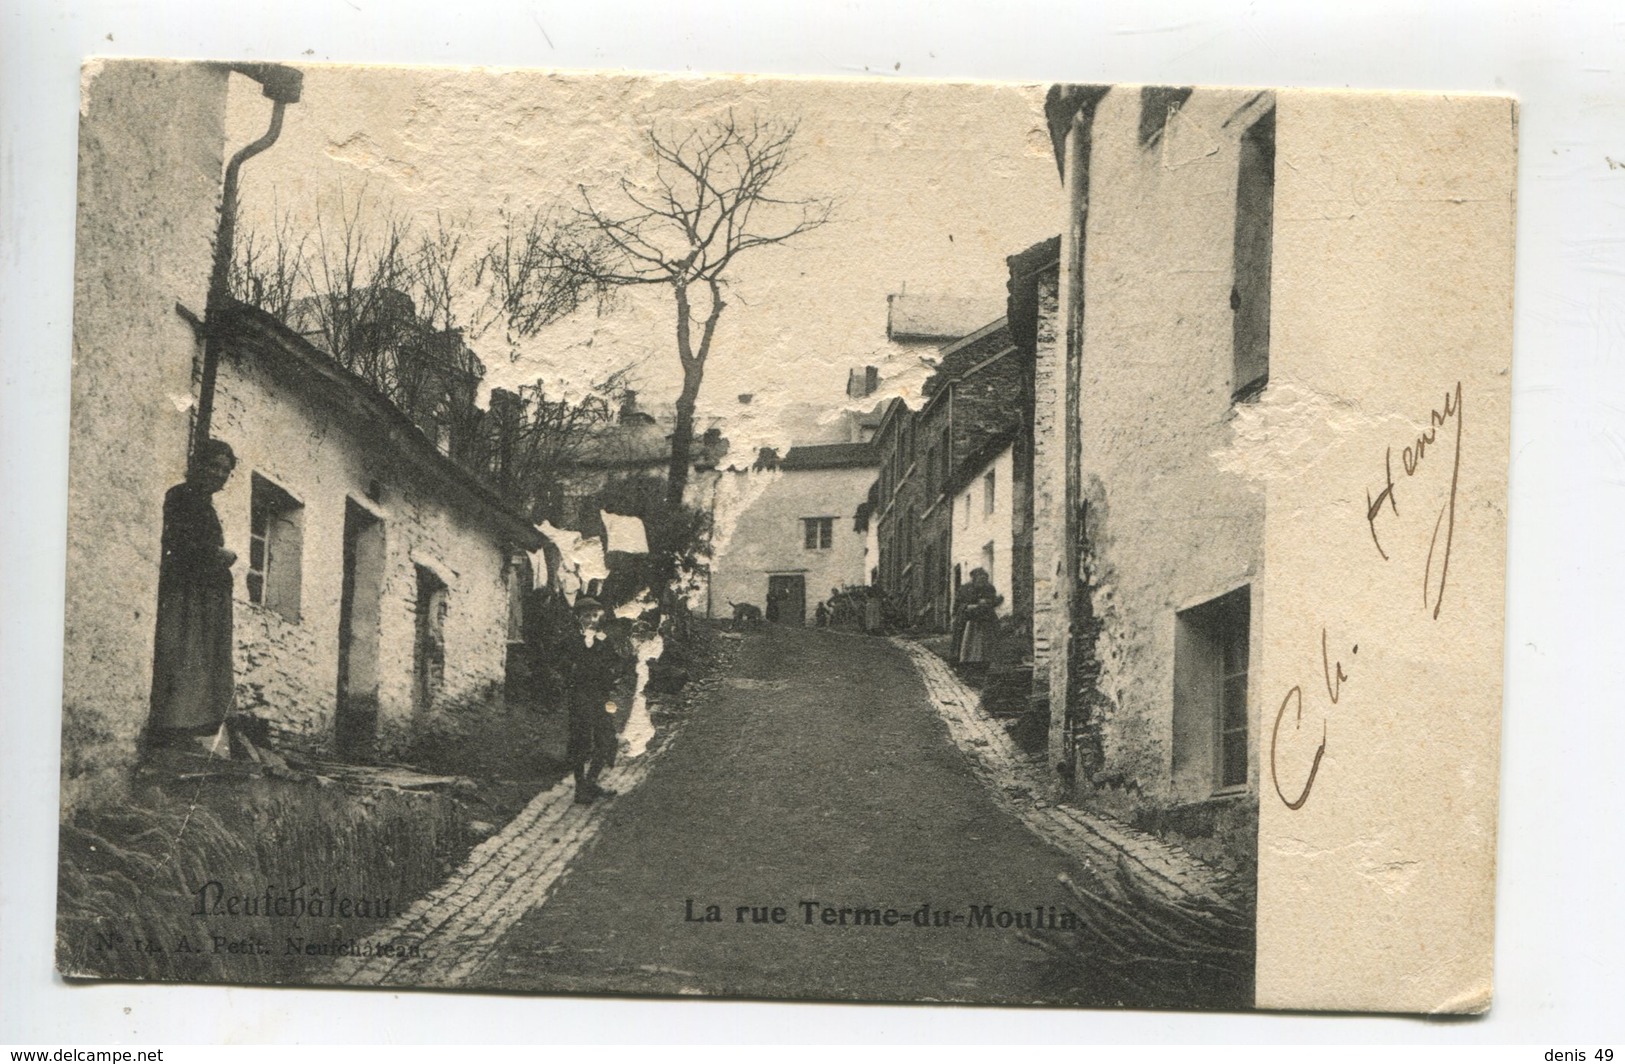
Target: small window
[(438, 428), (818, 533), (518, 579), (987, 559), (275, 549), (987, 493), (1255, 227)]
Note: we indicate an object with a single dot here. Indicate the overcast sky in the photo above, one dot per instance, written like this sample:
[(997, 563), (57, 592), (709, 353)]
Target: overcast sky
[(935, 184)]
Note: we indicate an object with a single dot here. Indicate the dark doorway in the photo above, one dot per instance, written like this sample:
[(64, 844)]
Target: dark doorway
[(360, 600), (787, 600)]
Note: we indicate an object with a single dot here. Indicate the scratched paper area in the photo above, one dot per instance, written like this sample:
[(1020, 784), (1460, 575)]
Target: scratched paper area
[(1392, 321)]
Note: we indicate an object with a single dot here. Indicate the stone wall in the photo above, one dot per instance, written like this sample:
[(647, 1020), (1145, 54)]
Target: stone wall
[(1048, 490), (1030, 316), (901, 502), (931, 580), (985, 404), (151, 142)]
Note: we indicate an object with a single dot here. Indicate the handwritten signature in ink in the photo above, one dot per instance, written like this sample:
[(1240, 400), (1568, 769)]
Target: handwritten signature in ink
[(1335, 679), (1411, 459)]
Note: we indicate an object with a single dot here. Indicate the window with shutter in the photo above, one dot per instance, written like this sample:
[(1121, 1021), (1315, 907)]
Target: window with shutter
[(275, 548), (1250, 290)]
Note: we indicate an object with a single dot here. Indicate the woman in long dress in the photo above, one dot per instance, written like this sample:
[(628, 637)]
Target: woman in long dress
[(192, 682), (978, 621), (872, 621)]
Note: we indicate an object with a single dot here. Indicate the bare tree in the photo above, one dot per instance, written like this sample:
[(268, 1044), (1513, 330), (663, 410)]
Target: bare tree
[(712, 196), (392, 303), (383, 300), (269, 269), (440, 273), (369, 283), (533, 438), (540, 268), (357, 274)]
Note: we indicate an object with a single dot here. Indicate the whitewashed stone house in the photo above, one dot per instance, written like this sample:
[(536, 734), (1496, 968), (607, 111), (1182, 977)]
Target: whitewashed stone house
[(1151, 564), (794, 535), (378, 578), (375, 576)]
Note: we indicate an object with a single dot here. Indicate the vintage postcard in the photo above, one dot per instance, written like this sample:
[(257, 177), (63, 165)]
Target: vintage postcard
[(844, 540)]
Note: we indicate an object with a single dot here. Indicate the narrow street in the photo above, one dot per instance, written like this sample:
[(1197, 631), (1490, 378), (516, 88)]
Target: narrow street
[(818, 773)]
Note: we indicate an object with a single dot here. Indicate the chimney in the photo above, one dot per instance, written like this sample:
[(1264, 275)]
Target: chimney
[(860, 385)]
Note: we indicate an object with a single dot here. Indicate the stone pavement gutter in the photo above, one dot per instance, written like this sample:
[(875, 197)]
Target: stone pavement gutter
[(451, 932), (1101, 842)]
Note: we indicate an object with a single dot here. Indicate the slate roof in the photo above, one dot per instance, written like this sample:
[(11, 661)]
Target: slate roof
[(830, 456), (937, 319), (251, 332)]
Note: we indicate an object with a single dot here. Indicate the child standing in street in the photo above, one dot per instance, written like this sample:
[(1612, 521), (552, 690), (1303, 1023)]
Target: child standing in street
[(595, 670)]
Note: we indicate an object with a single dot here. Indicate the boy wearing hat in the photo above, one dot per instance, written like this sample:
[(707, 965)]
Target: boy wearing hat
[(595, 669)]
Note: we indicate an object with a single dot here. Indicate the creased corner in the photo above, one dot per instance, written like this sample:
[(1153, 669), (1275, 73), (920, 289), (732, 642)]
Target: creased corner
[(1474, 1002)]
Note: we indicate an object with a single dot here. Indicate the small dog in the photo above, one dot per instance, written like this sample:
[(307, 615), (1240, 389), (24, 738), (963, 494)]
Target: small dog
[(746, 615)]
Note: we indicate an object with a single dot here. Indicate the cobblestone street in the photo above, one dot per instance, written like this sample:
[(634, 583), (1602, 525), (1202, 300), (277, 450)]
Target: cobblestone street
[(821, 772)]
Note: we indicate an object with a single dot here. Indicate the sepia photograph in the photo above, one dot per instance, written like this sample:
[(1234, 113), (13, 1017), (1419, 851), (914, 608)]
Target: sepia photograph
[(814, 539)]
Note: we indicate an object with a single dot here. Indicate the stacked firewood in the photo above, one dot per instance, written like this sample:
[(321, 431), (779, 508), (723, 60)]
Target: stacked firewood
[(1139, 948)]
